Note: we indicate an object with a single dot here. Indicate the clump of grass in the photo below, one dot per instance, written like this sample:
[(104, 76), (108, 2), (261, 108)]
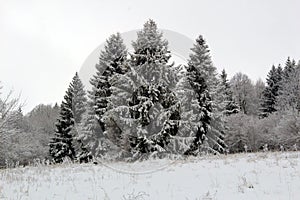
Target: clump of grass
[(135, 196), (209, 196), (244, 184)]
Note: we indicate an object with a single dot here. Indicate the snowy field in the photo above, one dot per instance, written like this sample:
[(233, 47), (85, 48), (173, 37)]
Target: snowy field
[(242, 176)]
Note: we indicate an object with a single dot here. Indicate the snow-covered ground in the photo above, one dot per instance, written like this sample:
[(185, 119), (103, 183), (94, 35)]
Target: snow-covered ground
[(242, 176)]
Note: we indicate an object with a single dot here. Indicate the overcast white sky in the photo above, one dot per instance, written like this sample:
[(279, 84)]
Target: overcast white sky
[(43, 43)]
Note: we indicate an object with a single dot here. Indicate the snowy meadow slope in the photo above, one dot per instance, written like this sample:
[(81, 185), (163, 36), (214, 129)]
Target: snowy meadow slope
[(241, 176)]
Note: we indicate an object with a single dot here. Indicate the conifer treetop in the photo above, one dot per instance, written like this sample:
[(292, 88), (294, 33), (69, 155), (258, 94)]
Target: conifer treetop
[(79, 98), (114, 51), (200, 58), (150, 45)]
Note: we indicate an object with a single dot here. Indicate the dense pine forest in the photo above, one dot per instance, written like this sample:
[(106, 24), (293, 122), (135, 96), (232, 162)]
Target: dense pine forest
[(143, 106)]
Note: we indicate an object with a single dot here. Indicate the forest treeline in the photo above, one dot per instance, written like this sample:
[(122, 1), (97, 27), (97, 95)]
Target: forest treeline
[(141, 105)]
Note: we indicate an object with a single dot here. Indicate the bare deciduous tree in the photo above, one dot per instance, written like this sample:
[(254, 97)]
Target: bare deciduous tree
[(8, 107)]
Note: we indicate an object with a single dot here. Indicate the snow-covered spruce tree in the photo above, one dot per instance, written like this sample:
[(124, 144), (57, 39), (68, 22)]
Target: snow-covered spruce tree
[(196, 112), (111, 61), (62, 144), (144, 104), (209, 106), (288, 94), (79, 108), (270, 93), (201, 59), (231, 107), (223, 105), (99, 133)]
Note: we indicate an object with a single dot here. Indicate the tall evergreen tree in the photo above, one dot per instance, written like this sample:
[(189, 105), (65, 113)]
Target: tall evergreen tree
[(112, 60), (202, 77), (203, 97), (144, 103), (79, 102), (270, 93), (62, 144)]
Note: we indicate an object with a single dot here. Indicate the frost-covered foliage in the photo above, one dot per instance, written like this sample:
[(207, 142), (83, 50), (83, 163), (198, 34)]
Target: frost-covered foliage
[(288, 130), (259, 87), (18, 142), (8, 105), (42, 118), (42, 123), (279, 131), (90, 135), (243, 133), (279, 126), (62, 144), (289, 95), (243, 93)]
